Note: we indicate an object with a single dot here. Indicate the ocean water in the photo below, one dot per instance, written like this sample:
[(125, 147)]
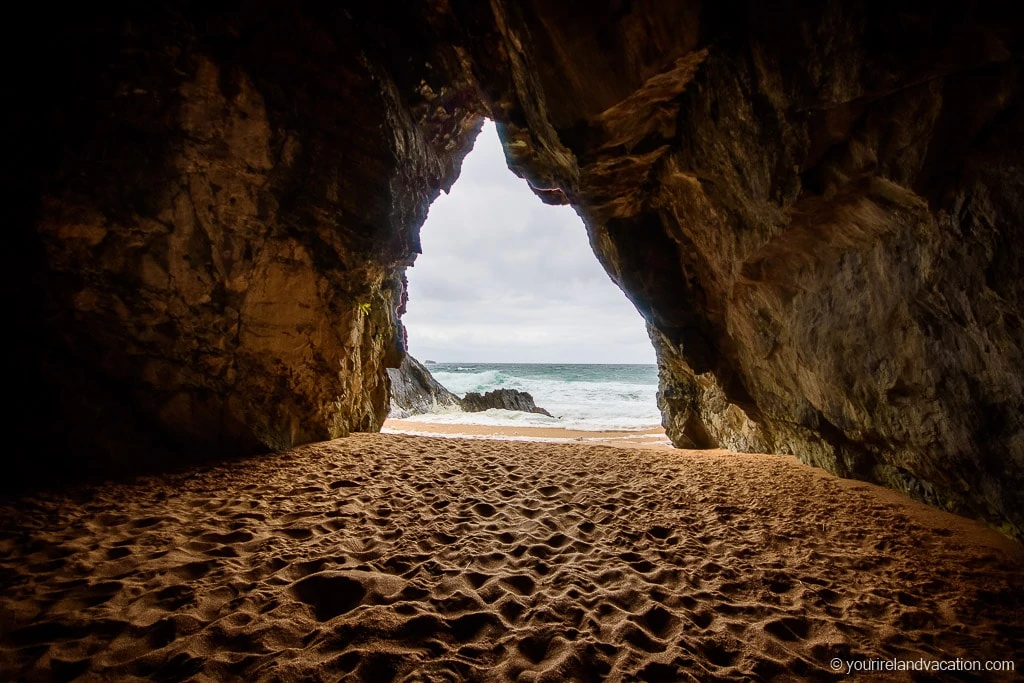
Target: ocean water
[(584, 397)]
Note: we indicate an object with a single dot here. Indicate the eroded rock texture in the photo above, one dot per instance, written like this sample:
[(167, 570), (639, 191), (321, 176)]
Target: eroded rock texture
[(218, 209), (414, 391), (816, 206)]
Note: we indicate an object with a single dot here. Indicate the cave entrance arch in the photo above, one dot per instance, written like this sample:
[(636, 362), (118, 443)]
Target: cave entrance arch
[(505, 277), (210, 219), (509, 294)]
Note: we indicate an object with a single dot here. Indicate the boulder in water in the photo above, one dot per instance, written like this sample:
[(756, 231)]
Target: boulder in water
[(414, 390), (503, 399)]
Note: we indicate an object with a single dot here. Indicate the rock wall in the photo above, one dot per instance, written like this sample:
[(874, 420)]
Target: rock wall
[(816, 206), (217, 208), (695, 410)]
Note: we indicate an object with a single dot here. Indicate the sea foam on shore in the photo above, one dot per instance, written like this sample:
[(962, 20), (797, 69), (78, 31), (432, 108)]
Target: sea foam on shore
[(581, 397)]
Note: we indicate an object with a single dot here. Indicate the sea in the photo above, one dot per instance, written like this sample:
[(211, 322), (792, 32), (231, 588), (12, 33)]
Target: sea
[(580, 397)]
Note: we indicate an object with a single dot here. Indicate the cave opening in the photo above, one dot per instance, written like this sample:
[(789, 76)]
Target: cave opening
[(505, 277), (508, 294), (211, 210)]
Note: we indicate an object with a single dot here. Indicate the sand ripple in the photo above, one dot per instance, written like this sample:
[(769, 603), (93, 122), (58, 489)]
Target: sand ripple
[(384, 557)]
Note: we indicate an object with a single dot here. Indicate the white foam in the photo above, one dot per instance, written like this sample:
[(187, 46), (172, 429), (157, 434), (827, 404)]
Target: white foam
[(515, 418), (586, 398)]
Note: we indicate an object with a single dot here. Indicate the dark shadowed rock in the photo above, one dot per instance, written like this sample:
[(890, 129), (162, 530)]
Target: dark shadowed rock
[(502, 399), (414, 390)]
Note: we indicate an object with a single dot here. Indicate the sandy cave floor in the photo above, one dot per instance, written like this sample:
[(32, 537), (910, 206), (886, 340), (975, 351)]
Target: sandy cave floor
[(383, 557)]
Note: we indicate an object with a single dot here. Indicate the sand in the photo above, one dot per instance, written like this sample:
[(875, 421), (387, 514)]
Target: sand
[(383, 557), (653, 437)]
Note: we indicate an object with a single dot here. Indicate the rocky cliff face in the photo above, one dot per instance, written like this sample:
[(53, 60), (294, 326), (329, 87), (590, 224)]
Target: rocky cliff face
[(216, 212), (817, 209), (414, 390), (816, 206)]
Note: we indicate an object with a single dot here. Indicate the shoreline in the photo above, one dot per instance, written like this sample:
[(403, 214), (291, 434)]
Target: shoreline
[(648, 438)]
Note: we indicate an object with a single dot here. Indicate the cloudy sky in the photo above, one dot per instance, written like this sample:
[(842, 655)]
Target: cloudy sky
[(506, 278)]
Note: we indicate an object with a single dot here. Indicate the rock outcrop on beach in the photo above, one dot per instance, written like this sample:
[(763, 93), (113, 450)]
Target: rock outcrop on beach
[(502, 399), (414, 390), (816, 207)]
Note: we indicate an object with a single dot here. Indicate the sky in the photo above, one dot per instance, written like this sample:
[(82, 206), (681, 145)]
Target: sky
[(505, 278)]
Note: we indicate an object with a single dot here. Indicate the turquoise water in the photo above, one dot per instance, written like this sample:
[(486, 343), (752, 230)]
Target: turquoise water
[(589, 397)]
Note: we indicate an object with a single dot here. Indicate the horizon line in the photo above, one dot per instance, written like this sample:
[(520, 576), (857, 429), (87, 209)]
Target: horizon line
[(512, 362)]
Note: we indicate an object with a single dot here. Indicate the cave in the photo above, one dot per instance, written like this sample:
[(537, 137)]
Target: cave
[(815, 209), (815, 206)]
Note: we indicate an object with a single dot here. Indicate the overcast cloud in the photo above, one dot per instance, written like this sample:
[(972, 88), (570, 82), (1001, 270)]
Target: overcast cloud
[(506, 278)]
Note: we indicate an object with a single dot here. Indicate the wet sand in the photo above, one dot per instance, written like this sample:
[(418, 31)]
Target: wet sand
[(389, 557), (639, 438)]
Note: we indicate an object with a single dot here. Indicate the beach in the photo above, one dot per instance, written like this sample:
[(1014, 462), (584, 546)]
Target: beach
[(651, 437), (613, 405), (394, 557)]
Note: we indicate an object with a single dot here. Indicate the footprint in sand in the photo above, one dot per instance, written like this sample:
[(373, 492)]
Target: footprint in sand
[(390, 558)]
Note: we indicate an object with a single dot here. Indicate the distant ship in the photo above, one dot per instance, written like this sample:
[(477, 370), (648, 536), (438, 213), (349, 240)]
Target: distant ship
[(430, 362)]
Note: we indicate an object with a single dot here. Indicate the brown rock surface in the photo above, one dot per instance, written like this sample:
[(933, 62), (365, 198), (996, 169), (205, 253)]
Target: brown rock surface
[(221, 220), (815, 206), (817, 209)]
